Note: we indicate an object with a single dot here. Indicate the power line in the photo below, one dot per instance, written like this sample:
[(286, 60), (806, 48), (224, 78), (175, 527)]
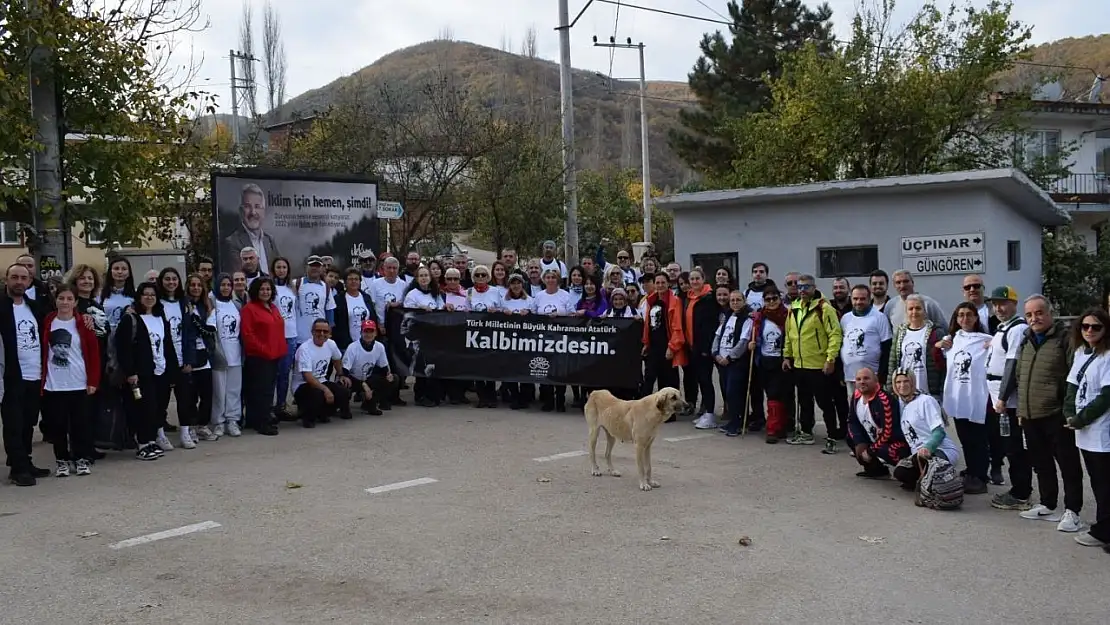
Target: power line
[(613, 51), (715, 11), (664, 12)]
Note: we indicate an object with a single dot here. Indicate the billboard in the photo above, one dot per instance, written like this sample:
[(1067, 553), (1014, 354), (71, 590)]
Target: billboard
[(293, 215)]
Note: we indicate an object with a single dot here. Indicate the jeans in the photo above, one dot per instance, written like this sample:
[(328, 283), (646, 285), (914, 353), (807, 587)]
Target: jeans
[(20, 411), (973, 439), (1050, 443), (734, 383), (1098, 468), (285, 365), (69, 418)]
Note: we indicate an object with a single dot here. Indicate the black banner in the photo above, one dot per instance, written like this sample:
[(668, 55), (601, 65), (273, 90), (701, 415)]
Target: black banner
[(516, 348)]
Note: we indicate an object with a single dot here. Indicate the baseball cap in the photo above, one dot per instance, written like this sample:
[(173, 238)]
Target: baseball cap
[(369, 325), (548, 243), (516, 276), (313, 260), (1004, 293)]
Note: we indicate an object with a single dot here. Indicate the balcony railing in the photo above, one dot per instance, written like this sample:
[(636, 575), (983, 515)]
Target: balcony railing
[(1081, 188)]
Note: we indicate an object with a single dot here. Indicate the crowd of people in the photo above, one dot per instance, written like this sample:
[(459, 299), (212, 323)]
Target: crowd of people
[(889, 371)]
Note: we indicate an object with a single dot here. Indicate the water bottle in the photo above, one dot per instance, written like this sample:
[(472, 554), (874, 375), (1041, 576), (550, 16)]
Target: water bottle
[(136, 393), (1004, 424)]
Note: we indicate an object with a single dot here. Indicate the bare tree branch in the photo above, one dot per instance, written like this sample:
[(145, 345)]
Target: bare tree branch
[(273, 57), (246, 65)]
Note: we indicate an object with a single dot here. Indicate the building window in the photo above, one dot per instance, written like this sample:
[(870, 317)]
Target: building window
[(1039, 145), (94, 232), (710, 263), (847, 261), (1102, 152), (9, 233), (1013, 255)]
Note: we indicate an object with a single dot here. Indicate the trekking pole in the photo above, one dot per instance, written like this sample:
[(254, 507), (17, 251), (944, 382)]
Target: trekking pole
[(748, 390)]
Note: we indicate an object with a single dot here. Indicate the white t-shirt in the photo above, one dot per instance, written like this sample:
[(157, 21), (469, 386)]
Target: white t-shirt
[(863, 415), (314, 359), (630, 275), (155, 330), (754, 299), (965, 381), (1096, 436), (65, 362), (996, 357), (457, 301), (555, 264), (312, 302), (863, 338), (919, 418), (114, 307), (772, 341), (985, 316), (545, 303), (418, 299), (28, 348), (628, 313), (576, 294), (914, 352), (356, 314), (173, 315), (361, 363), (726, 334), (383, 293), (286, 301), (517, 305), (225, 318), (30, 293), (484, 302)]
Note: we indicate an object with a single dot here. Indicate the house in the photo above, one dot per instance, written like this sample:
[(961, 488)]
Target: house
[(281, 132), (940, 227)]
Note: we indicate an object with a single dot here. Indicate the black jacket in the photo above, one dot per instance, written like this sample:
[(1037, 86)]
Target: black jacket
[(705, 324), (134, 351), (341, 334), (12, 370)]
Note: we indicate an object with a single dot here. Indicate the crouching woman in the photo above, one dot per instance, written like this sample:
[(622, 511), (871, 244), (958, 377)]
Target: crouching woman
[(922, 422)]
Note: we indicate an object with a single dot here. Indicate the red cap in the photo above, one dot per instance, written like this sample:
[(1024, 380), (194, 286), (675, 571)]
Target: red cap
[(369, 325)]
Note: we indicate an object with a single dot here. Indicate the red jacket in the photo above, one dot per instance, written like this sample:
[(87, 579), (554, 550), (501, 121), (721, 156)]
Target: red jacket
[(90, 349), (263, 331)]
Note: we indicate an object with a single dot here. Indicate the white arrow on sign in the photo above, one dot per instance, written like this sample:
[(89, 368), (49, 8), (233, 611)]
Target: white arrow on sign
[(390, 210), (965, 243), (944, 264)]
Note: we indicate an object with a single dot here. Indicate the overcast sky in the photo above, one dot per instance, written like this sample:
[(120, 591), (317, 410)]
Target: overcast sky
[(326, 39)]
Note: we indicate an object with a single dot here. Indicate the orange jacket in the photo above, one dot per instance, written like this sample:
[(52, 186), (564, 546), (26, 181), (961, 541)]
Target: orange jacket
[(675, 340), (698, 339)]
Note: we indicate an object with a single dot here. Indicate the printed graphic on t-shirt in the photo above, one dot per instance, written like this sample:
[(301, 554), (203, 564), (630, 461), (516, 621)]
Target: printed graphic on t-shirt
[(175, 328), (367, 369), (27, 336), (360, 313), (156, 345), (229, 324), (479, 306), (962, 361), (320, 369), (913, 356), (60, 341), (911, 435), (116, 315), (312, 304), (655, 317), (873, 431), (550, 308), (773, 336), (390, 297), (285, 306), (1081, 395), (853, 340)]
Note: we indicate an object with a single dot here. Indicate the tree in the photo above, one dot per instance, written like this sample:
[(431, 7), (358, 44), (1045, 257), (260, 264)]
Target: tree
[(1074, 279), (728, 79), (911, 102), (273, 57), (132, 164), (246, 65), (610, 205)]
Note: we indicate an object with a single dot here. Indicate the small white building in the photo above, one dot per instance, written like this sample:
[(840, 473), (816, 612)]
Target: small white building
[(941, 227)]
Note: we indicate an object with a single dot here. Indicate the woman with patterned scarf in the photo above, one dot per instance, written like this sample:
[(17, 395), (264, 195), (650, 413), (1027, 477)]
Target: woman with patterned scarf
[(766, 333), (914, 349)]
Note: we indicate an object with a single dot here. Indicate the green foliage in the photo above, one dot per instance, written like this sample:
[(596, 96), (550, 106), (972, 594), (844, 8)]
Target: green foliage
[(1074, 279), (610, 205), (729, 78)]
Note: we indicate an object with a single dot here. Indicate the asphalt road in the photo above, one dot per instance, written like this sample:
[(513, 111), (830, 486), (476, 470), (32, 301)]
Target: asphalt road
[(500, 537)]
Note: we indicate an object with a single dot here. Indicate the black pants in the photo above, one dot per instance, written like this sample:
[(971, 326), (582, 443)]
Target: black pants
[(755, 391), (202, 397), (973, 438), (814, 386), (312, 406), (142, 413), (555, 396), (428, 389), (396, 390), (381, 390), (838, 391), (259, 378), (486, 390), (456, 390), (20, 412), (1098, 468), (701, 370), (994, 440), (658, 369), (873, 467), (690, 384), (69, 418), (182, 387), (1051, 444)]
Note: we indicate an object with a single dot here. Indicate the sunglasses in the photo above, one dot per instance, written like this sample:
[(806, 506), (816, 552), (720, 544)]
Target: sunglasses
[(970, 287), (791, 283), (451, 279), (481, 275), (805, 287), (1091, 327), (771, 298), (622, 258)]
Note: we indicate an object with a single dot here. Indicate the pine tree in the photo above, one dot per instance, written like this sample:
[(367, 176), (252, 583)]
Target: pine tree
[(729, 78)]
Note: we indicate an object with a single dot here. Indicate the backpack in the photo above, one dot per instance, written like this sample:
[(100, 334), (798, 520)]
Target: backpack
[(115, 376), (940, 486), (1006, 335)]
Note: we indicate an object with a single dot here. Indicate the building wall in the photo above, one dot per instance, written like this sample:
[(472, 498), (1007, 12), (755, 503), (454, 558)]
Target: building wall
[(83, 253), (786, 235)]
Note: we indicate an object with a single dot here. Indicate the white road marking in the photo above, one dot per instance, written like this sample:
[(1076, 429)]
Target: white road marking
[(689, 437), (180, 531), (399, 485), (565, 454)]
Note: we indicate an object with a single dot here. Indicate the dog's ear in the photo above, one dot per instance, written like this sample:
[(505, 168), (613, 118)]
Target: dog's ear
[(664, 402)]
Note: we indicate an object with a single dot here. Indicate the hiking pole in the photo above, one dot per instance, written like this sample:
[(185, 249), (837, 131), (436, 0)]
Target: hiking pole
[(748, 390)]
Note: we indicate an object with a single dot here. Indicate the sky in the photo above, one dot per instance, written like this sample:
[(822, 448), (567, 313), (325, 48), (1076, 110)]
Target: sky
[(328, 39)]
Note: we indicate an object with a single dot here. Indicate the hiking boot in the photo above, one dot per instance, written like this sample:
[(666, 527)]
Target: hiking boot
[(801, 438), (1007, 501), (830, 447)]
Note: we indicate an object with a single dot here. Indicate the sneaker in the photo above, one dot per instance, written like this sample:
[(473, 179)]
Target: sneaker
[(219, 430), (1087, 540), (148, 452), (163, 443), (974, 486), (1071, 522), (22, 479), (83, 467), (830, 447), (186, 438), (1006, 501), (771, 440), (233, 429), (1041, 512), (996, 477), (801, 438), (205, 433), (61, 468), (707, 421)]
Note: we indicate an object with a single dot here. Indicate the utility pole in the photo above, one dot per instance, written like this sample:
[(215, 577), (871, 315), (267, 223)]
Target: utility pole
[(570, 184), (50, 244), (646, 173), (237, 85)]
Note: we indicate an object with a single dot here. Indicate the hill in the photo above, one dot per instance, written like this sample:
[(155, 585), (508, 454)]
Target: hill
[(607, 113), (1083, 56)]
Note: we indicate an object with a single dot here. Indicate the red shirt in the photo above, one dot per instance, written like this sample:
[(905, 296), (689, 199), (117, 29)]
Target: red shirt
[(263, 331)]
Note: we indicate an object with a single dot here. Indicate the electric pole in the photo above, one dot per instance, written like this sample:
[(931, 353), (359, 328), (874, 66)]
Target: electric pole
[(237, 85), (646, 173)]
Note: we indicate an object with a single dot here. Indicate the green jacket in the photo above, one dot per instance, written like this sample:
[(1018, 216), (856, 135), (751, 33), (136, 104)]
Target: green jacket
[(813, 334), (1043, 374)]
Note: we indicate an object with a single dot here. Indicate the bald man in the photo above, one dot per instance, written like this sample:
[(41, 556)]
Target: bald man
[(875, 427)]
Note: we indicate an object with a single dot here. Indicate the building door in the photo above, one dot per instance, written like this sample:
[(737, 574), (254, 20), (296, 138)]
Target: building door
[(712, 262)]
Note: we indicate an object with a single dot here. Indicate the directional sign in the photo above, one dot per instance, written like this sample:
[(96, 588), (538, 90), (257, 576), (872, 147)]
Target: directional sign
[(966, 243), (943, 264), (390, 210)]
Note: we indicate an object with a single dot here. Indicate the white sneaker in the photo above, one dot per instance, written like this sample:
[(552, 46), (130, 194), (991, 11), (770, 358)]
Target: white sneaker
[(1087, 540), (233, 429), (187, 437), (1041, 512), (1070, 523), (205, 433), (219, 430), (61, 468), (163, 443), (707, 421)]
